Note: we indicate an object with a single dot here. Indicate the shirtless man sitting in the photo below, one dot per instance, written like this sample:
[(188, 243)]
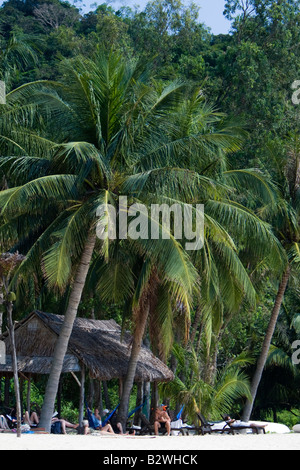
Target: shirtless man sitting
[(162, 417)]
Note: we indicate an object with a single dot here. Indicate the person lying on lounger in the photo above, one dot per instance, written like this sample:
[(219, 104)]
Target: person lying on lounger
[(33, 420), (114, 428), (239, 424)]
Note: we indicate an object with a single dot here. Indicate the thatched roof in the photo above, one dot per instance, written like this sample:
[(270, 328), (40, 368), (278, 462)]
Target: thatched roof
[(99, 344)]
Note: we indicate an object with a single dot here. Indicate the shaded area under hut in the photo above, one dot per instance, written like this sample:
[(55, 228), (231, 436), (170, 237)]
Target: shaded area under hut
[(99, 347)]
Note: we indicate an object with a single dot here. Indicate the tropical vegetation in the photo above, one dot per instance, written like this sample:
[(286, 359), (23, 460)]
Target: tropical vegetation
[(161, 111)]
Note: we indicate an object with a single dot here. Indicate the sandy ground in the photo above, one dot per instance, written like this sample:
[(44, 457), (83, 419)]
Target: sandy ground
[(181, 443)]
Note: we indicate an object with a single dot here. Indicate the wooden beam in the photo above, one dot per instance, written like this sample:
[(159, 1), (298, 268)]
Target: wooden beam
[(76, 378), (28, 395), (82, 394)]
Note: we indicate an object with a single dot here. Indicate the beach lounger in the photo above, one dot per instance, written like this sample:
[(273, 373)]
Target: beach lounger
[(234, 426), (204, 427)]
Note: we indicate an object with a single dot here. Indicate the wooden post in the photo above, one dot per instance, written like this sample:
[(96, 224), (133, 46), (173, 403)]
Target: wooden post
[(59, 396), (81, 401), (21, 385), (99, 398), (154, 401), (6, 390), (147, 393), (28, 394), (106, 395), (91, 395), (139, 401), (11, 332)]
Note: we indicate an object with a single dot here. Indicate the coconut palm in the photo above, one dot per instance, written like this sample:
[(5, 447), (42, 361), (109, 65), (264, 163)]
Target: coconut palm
[(107, 130), (286, 223), (281, 376), (16, 53), (213, 400), (106, 104)]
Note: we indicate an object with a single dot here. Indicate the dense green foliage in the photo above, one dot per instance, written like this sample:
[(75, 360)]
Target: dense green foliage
[(246, 80)]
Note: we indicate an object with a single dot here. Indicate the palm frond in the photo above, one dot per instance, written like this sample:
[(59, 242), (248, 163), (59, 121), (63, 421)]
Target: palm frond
[(230, 387), (279, 358), (251, 229), (115, 281), (24, 199), (294, 255), (20, 170), (253, 180), (32, 262), (70, 238), (72, 156), (172, 181)]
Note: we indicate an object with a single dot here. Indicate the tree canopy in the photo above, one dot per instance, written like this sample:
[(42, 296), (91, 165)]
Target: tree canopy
[(150, 103)]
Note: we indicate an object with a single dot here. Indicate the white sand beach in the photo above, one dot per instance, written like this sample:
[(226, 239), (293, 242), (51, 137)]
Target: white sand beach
[(173, 443)]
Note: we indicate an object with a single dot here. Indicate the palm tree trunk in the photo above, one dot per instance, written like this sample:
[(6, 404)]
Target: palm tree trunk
[(1, 306), (140, 326), (210, 368), (15, 365), (65, 333), (195, 325), (266, 344)]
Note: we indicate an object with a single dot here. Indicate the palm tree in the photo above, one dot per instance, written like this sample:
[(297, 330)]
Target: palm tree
[(8, 263), (108, 102), (196, 394), (16, 53), (286, 222), (280, 381), (107, 130)]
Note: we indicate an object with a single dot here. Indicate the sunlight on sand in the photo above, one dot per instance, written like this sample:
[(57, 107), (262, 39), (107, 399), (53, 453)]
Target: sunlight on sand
[(151, 443)]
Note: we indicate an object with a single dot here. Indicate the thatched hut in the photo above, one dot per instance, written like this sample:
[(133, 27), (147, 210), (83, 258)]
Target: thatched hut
[(99, 345)]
